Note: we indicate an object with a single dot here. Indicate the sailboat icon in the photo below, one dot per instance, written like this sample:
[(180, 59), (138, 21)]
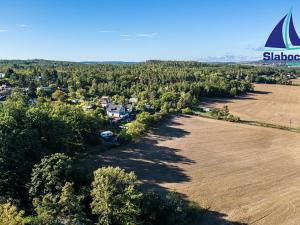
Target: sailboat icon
[(284, 38)]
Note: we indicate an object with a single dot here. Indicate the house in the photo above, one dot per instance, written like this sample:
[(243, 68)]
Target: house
[(133, 100), (115, 111), (5, 90), (2, 75), (24, 90), (105, 100)]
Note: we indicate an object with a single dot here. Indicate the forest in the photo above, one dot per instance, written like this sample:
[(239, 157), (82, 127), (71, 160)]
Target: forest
[(45, 126)]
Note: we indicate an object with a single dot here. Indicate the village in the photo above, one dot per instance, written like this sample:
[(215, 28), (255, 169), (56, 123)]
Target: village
[(117, 115)]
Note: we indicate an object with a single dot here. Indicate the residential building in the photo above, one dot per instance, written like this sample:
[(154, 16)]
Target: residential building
[(115, 111)]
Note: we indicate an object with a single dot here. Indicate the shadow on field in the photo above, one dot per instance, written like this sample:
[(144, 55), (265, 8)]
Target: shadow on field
[(215, 218), (261, 92), (153, 164), (249, 96)]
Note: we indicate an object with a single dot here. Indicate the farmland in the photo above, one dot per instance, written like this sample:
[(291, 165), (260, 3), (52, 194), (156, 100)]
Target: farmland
[(276, 104), (245, 173)]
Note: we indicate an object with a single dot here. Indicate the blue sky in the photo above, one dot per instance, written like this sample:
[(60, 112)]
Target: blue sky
[(137, 30)]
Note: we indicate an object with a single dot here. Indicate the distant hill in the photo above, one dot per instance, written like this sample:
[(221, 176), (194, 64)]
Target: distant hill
[(108, 62), (34, 62), (43, 61)]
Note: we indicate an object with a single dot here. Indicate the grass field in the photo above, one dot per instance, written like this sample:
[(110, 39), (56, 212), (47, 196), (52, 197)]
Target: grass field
[(275, 104)]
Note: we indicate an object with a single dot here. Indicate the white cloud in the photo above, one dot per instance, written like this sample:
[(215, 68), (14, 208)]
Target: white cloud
[(23, 25), (127, 39), (125, 35), (148, 35), (2, 30), (107, 31)]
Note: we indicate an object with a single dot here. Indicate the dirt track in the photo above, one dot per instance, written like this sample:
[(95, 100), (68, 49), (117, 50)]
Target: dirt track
[(277, 104)]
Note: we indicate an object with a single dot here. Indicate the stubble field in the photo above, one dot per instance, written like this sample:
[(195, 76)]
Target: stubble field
[(244, 174)]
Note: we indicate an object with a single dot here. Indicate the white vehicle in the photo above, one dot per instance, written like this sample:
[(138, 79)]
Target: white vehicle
[(106, 134)]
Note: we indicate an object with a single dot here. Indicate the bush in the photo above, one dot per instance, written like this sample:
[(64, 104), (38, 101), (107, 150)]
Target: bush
[(186, 110), (232, 118), (135, 129), (115, 198), (144, 118)]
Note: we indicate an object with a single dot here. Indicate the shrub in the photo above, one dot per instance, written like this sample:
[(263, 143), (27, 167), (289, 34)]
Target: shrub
[(135, 129), (186, 110), (232, 118)]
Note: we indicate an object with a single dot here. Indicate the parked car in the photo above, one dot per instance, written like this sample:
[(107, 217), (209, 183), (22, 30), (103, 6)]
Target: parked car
[(109, 138), (106, 134)]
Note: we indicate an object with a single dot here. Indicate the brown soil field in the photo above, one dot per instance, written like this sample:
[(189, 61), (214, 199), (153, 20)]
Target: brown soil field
[(243, 173), (276, 104)]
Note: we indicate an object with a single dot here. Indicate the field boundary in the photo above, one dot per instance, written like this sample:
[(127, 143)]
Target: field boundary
[(208, 115)]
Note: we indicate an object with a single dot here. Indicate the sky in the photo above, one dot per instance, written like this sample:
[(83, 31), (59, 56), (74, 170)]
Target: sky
[(139, 30)]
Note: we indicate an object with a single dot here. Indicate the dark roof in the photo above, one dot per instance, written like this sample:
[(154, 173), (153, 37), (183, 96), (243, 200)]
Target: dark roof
[(114, 108)]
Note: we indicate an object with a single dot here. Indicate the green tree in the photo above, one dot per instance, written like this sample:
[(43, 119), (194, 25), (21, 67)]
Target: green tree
[(9, 215), (71, 210), (164, 210), (50, 174), (59, 95), (19, 148), (47, 182), (115, 198), (118, 99), (9, 72)]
